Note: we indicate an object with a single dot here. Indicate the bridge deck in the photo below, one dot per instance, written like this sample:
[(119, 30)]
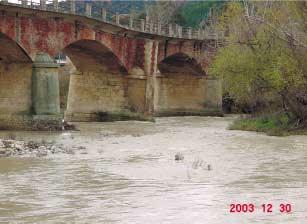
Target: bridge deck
[(117, 22)]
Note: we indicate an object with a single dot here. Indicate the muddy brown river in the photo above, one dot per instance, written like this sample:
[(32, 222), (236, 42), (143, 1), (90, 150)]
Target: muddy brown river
[(127, 174)]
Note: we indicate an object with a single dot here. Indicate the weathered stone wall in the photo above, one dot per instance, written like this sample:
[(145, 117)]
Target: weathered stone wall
[(136, 94), (213, 100), (91, 92), (15, 88), (178, 93), (100, 84)]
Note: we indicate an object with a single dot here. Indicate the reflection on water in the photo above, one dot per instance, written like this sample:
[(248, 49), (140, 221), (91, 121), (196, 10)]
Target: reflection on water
[(128, 174)]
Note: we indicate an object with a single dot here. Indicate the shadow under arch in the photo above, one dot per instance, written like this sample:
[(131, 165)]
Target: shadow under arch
[(87, 54), (181, 86), (180, 63), (15, 79), (98, 84), (11, 51)]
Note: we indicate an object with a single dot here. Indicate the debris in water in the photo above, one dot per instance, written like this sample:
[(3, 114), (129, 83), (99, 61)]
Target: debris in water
[(179, 156)]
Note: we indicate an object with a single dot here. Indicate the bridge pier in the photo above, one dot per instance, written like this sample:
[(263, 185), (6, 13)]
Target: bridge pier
[(136, 82), (150, 69), (187, 95), (29, 98), (213, 96), (45, 92), (45, 86)]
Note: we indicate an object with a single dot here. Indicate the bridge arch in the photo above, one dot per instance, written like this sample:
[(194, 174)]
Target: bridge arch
[(93, 51), (98, 83), (15, 78), (181, 86), (180, 63)]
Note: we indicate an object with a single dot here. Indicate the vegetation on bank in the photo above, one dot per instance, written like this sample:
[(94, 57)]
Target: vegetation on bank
[(263, 63), (271, 124)]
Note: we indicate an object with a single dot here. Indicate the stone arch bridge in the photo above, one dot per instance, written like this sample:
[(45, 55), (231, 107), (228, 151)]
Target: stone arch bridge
[(119, 70)]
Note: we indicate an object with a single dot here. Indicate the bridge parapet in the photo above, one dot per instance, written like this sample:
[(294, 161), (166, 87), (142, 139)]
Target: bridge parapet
[(125, 21)]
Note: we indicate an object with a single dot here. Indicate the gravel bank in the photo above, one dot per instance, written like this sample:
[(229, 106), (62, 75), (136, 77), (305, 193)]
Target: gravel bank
[(32, 148)]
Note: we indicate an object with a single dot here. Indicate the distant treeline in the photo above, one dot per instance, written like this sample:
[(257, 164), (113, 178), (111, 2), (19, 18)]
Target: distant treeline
[(185, 13)]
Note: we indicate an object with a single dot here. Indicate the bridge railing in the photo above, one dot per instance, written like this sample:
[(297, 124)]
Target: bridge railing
[(126, 21)]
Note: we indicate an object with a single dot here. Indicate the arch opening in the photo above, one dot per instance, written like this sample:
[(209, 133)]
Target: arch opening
[(92, 55), (11, 52), (97, 83), (181, 86), (180, 63)]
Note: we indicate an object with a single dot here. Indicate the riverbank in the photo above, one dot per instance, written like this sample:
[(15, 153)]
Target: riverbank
[(12, 147), (274, 125)]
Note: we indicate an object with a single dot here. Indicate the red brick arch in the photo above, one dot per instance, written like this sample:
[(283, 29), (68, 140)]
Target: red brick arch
[(181, 62), (201, 51), (85, 52)]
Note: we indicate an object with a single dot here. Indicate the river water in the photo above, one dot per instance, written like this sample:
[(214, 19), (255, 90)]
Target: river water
[(127, 174)]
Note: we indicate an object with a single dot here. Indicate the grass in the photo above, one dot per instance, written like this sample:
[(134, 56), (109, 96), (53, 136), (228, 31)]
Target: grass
[(275, 125)]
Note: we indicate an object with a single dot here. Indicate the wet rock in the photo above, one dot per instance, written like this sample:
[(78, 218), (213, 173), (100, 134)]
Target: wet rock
[(2, 151), (42, 148), (32, 145), (18, 147), (41, 154), (42, 151), (8, 153), (179, 157), (8, 143), (209, 167), (67, 126), (53, 149)]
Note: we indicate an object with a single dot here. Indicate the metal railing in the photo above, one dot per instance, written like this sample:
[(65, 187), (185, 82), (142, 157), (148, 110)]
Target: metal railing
[(125, 21)]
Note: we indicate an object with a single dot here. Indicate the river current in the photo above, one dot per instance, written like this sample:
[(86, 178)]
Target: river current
[(127, 174)]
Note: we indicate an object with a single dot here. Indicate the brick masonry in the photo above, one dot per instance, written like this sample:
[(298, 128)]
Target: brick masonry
[(15, 88)]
